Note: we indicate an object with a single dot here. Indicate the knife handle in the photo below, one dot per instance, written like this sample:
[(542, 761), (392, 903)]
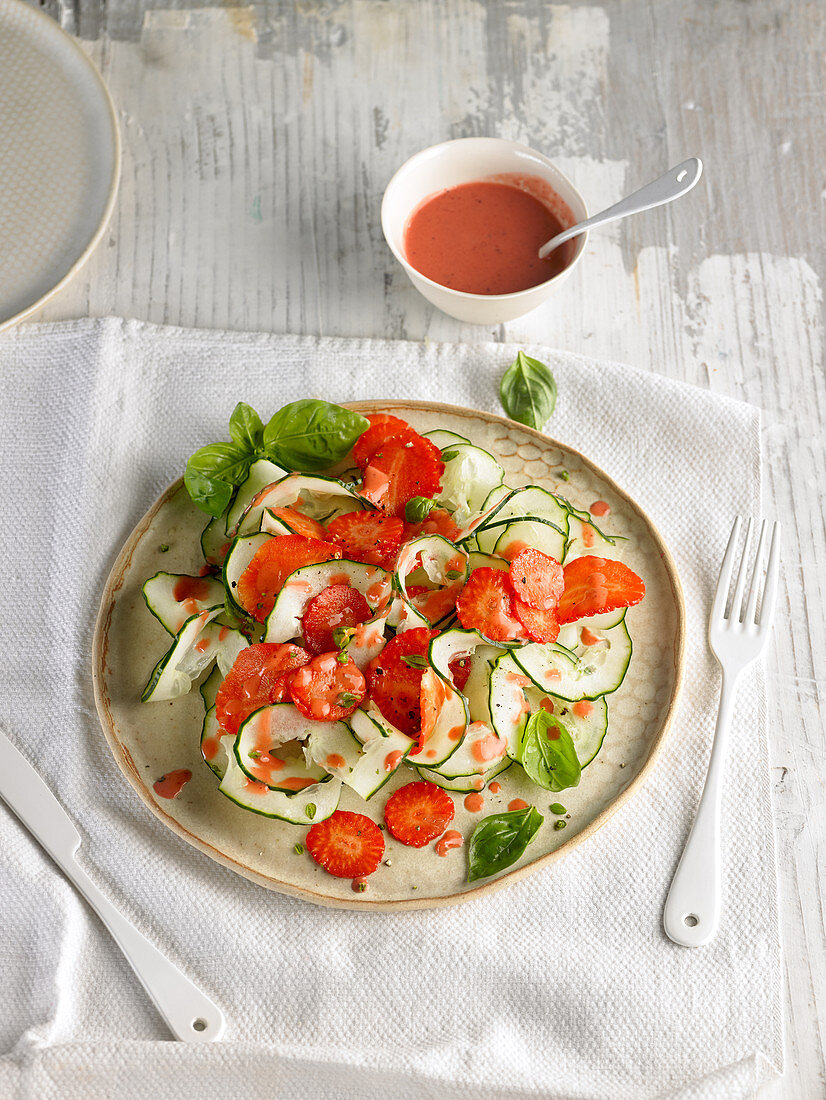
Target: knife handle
[(190, 1015)]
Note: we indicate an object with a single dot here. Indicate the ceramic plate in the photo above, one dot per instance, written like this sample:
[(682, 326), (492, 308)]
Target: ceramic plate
[(59, 159), (150, 739)]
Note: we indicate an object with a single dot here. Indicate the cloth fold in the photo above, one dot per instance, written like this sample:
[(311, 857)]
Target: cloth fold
[(563, 985)]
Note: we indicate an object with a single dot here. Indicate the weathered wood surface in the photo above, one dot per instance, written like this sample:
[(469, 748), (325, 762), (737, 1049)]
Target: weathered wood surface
[(257, 143)]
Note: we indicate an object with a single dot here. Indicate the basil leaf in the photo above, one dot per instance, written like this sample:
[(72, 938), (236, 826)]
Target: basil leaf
[(311, 435), (547, 753), (413, 660), (245, 427), (528, 391), (213, 472), (418, 509), (499, 840)]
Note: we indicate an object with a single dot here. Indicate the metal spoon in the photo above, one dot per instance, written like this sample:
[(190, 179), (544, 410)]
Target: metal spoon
[(676, 182)]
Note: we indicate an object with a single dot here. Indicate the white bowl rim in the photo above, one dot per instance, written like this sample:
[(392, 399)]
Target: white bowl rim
[(464, 295)]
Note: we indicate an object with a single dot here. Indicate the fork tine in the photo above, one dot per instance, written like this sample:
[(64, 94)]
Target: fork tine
[(749, 616), (737, 598), (718, 607), (772, 573)]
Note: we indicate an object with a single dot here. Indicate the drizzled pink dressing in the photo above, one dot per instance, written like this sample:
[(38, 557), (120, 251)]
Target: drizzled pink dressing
[(451, 839)]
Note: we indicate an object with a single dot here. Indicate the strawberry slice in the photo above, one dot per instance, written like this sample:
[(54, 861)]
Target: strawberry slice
[(537, 578), (460, 671), (403, 467), (486, 604), (418, 813), (371, 537), (395, 678), (334, 607), (438, 522), (262, 674), (595, 585), (346, 845), (540, 623), (326, 689), (382, 426), (281, 555), (300, 524)]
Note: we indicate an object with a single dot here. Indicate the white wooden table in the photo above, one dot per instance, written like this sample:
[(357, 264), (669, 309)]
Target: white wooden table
[(257, 143)]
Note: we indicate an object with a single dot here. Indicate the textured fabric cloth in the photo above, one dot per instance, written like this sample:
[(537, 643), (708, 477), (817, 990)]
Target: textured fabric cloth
[(563, 985)]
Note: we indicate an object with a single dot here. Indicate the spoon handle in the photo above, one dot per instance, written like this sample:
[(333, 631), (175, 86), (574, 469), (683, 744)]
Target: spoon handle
[(676, 182)]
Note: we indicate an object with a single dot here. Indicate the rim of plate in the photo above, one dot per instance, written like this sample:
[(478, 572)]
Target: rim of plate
[(114, 183), (126, 764)]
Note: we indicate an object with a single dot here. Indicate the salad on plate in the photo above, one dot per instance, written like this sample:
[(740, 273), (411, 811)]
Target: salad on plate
[(377, 602)]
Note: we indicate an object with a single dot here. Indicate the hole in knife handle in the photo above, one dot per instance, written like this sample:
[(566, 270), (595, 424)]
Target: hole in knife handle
[(691, 920), (199, 1025)]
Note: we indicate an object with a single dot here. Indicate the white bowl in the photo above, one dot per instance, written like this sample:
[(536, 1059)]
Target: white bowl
[(465, 161)]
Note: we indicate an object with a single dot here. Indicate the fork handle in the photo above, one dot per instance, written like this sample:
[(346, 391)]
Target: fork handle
[(692, 909)]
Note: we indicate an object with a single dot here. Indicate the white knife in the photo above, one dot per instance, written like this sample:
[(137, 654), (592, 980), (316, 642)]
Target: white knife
[(190, 1015)]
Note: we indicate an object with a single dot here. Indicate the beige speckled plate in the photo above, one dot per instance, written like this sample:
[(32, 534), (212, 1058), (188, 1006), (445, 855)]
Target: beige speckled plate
[(149, 739), (59, 158)]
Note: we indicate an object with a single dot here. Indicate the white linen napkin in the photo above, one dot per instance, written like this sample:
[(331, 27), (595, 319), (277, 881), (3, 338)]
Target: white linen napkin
[(563, 985)]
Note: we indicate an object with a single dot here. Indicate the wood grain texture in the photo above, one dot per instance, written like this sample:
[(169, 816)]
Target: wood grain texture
[(258, 141)]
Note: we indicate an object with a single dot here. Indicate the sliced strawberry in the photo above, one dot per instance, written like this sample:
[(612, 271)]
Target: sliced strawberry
[(334, 607), (438, 522), (418, 813), (596, 585), (540, 623), (281, 555), (346, 845), (300, 524), (460, 671), (486, 604), (402, 468), (327, 690), (395, 678), (537, 578), (261, 675), (371, 537), (382, 426)]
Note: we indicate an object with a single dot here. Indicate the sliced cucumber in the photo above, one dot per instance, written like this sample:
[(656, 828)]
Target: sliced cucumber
[(172, 613), (241, 552), (272, 525), (570, 634), (215, 744), (369, 722), (509, 708), (443, 438), (444, 721), (209, 687), (189, 655), (489, 510), (364, 766), (257, 748), (481, 749), (445, 565), (455, 644), (469, 477), (214, 541), (367, 640), (584, 538), (284, 621), (313, 804), (261, 474), (228, 644), (320, 498), (478, 560), (570, 676), (466, 783), (530, 503), (540, 534)]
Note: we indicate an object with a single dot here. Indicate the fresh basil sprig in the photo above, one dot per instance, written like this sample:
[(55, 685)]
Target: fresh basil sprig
[(418, 509), (310, 435), (499, 840), (528, 391), (304, 436), (547, 753)]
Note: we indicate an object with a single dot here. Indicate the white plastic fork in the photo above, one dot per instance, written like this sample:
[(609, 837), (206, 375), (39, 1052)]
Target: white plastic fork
[(692, 909)]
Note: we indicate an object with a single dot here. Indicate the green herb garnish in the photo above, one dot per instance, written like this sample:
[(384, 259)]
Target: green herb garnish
[(164, 547), (499, 840), (414, 660), (305, 435), (546, 752), (347, 699), (299, 849), (558, 808), (559, 824), (528, 391), (418, 509), (564, 475), (310, 810)]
